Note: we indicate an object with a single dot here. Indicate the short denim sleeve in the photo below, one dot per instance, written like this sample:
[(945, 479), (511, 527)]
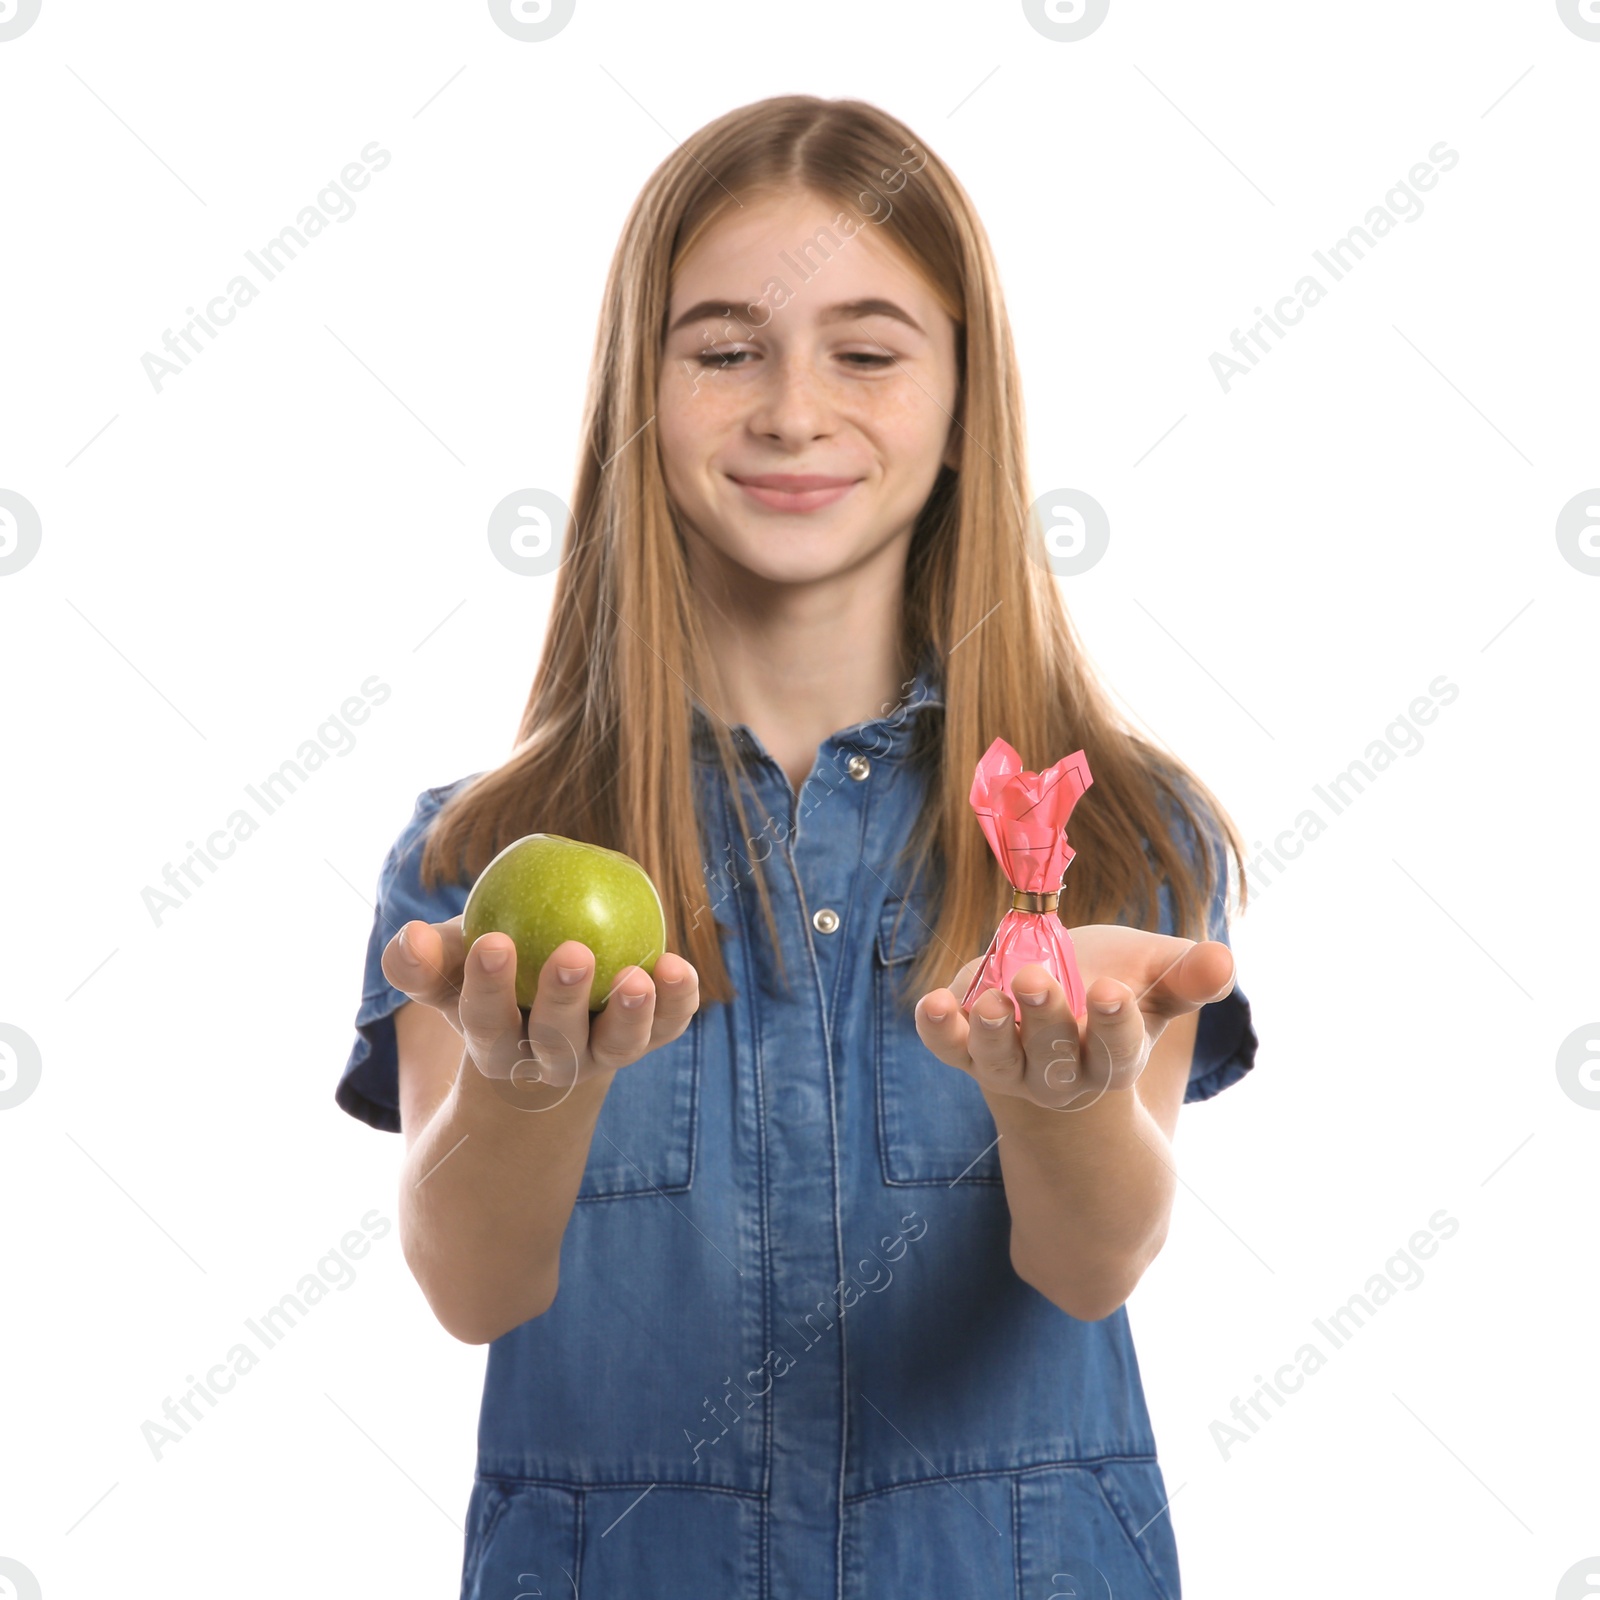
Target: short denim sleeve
[(369, 1087), (1225, 1036)]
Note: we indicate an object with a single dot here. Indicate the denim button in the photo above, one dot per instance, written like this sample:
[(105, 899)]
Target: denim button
[(825, 921), (858, 767)]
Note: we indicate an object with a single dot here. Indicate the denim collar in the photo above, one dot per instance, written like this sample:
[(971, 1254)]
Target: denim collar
[(888, 736)]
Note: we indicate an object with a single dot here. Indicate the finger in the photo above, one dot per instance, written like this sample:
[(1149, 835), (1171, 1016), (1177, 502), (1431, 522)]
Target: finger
[(423, 961), (621, 1031), (491, 1020), (1050, 1038), (559, 1020), (677, 987), (943, 1027), (1209, 967), (1172, 976), (963, 978), (1116, 1042), (995, 1043), (940, 1021), (665, 1002)]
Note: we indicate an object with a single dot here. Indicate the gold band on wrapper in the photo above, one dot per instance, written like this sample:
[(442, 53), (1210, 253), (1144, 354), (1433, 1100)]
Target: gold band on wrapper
[(1029, 900)]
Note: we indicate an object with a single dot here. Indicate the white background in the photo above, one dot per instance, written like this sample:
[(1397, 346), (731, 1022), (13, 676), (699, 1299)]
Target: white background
[(223, 563)]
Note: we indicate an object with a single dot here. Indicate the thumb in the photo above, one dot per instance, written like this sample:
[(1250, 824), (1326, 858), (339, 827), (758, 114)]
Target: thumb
[(964, 976)]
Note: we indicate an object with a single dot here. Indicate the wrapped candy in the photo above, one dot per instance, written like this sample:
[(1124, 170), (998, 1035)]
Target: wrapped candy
[(1023, 816)]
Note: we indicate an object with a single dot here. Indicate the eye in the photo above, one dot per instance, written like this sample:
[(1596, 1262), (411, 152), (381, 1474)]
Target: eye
[(729, 360)]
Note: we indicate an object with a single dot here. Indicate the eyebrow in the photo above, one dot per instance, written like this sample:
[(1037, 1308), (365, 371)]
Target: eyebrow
[(842, 311)]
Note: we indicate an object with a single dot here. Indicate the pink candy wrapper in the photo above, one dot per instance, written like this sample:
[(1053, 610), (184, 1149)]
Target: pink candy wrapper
[(1023, 816)]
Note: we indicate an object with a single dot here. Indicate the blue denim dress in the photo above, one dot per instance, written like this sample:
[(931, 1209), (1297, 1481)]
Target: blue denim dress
[(789, 1358)]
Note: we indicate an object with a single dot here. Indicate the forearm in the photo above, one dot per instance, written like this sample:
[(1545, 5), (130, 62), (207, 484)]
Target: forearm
[(486, 1192), (1090, 1194)]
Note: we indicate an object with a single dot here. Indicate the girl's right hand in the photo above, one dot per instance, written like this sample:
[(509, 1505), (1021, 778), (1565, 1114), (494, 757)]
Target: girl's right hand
[(556, 1042)]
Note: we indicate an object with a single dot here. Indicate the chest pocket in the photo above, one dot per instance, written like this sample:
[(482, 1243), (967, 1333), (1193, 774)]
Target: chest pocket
[(644, 1137), (934, 1126)]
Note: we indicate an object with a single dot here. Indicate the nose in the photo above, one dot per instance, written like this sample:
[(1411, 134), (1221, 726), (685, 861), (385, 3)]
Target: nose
[(793, 404)]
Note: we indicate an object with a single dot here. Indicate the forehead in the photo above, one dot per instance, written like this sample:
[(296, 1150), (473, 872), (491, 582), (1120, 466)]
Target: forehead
[(794, 242)]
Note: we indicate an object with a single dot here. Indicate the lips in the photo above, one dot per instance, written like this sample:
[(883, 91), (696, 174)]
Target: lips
[(795, 491), (792, 482)]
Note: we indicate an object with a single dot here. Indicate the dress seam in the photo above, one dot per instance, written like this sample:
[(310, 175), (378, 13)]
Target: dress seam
[(1016, 1532), (738, 916), (1084, 1462), (577, 1544), (1133, 1540), (595, 1486)]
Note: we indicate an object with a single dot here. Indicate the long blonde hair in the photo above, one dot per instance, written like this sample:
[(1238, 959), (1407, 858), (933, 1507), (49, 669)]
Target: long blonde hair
[(604, 751)]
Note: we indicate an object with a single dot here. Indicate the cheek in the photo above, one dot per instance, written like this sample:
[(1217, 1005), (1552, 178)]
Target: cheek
[(910, 421), (694, 411)]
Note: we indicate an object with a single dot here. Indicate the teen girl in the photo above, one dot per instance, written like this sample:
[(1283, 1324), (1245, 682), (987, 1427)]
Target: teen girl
[(796, 1285)]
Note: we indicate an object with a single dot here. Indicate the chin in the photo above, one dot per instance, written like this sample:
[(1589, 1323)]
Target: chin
[(769, 566)]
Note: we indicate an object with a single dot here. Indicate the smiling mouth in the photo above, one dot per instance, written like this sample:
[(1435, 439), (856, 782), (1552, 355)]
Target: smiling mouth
[(796, 492)]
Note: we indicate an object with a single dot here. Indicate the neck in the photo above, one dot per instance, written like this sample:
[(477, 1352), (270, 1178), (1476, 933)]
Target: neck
[(798, 663)]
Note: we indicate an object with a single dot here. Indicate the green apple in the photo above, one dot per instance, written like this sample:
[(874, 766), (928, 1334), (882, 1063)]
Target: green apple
[(544, 889)]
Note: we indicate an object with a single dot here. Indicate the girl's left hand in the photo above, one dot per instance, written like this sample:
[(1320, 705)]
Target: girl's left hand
[(1135, 983)]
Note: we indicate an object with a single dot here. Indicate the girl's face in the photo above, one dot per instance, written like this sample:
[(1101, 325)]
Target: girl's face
[(791, 357)]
